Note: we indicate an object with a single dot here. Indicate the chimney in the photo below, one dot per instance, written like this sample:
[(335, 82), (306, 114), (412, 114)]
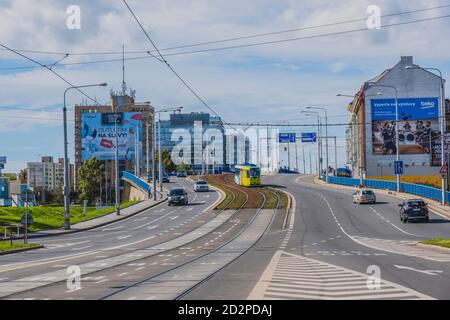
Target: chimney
[(407, 61)]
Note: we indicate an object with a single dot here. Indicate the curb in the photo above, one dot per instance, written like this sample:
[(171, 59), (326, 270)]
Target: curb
[(433, 247), (21, 250), (35, 236), (395, 194)]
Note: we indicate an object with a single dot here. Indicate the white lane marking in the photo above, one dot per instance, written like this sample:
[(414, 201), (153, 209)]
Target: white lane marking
[(398, 228), (190, 209), (101, 281), (153, 227), (112, 229), (428, 272), (173, 218), (157, 219), (80, 248), (159, 211), (122, 274), (124, 237), (141, 219)]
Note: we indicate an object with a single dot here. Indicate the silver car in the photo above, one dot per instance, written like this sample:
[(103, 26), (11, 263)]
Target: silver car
[(364, 196), (201, 186)]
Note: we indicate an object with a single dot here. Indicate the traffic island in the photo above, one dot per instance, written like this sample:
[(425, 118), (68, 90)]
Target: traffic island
[(7, 248), (439, 244)]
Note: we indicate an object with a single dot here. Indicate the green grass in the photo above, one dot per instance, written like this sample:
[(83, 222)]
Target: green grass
[(6, 246), (53, 217), (438, 242)]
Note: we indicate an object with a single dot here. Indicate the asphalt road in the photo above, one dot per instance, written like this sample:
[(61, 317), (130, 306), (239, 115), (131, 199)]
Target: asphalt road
[(327, 248), (337, 250)]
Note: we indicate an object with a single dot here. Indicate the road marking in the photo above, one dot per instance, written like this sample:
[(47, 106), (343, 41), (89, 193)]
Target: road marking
[(141, 219), (124, 237), (122, 274), (290, 276), (173, 218), (398, 228), (112, 229), (81, 248), (153, 227), (428, 272)]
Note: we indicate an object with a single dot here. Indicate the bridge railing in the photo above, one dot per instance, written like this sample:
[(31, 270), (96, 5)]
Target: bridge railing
[(137, 182)]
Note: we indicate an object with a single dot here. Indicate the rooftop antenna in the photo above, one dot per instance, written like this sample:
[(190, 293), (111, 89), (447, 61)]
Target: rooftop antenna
[(124, 85)]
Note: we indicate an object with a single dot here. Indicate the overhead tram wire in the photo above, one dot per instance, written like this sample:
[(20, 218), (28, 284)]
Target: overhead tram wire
[(51, 70), (209, 50), (259, 35), (171, 68)]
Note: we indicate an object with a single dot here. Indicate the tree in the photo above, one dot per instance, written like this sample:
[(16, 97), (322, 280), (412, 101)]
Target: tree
[(168, 164), (185, 167), (23, 174), (89, 176)]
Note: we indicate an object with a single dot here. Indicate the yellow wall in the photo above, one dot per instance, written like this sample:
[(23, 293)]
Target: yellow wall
[(427, 180)]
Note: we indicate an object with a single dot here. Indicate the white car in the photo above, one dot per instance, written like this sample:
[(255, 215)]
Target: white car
[(201, 186), (364, 196)]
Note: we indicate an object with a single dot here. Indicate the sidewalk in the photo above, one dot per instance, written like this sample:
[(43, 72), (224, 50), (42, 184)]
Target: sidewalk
[(443, 211), (101, 221)]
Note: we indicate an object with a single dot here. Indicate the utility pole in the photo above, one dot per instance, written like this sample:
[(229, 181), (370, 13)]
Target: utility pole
[(310, 164), (296, 157), (304, 162)]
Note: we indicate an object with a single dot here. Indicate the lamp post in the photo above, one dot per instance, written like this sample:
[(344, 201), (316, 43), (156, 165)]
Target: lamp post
[(159, 147), (442, 123), (319, 129), (397, 144), (326, 137), (66, 190)]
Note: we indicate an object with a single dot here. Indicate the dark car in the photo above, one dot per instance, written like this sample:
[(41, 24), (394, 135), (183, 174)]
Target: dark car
[(178, 196), (165, 178), (414, 210)]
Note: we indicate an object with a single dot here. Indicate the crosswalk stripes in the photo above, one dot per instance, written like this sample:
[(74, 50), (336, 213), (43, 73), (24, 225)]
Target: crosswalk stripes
[(291, 277)]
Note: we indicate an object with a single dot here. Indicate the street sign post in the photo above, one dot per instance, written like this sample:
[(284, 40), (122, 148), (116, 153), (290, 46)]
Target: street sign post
[(398, 165), (444, 170), (309, 137), (26, 195), (287, 138)]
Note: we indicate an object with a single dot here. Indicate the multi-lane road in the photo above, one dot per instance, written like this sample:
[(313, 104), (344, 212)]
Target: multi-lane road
[(326, 248)]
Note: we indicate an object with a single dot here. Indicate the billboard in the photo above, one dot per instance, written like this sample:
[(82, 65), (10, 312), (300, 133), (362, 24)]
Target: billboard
[(98, 135), (418, 125)]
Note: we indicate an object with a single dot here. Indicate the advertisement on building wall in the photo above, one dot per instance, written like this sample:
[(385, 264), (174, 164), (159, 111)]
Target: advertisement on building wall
[(418, 125), (98, 135)]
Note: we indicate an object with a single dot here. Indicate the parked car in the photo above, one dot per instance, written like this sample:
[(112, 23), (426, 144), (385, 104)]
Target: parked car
[(182, 174), (415, 209), (201, 186), (178, 196), (364, 196)]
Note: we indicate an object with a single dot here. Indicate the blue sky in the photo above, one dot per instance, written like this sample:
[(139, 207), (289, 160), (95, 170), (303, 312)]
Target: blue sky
[(265, 83)]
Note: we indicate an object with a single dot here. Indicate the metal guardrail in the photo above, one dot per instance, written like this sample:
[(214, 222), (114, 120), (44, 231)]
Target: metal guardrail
[(137, 182), (411, 188)]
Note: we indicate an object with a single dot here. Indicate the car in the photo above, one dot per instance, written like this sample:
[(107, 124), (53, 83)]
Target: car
[(178, 196), (201, 186), (364, 196), (166, 178), (182, 174), (414, 209)]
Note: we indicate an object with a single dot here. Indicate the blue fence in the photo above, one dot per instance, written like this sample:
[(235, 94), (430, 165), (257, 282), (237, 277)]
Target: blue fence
[(415, 189), (137, 182)]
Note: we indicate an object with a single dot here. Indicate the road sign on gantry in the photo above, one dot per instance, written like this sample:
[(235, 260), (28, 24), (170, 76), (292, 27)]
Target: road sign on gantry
[(287, 138), (309, 137)]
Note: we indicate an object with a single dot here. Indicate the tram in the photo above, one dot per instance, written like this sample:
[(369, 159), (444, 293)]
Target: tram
[(247, 175)]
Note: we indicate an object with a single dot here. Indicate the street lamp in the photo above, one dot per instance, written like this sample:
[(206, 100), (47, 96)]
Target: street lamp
[(159, 148), (326, 136), (372, 84), (66, 190), (319, 129), (442, 120)]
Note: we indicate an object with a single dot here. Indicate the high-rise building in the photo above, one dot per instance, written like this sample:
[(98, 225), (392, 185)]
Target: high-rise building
[(45, 174)]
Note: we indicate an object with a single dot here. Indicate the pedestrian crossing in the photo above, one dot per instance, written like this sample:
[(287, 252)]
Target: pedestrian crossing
[(293, 277)]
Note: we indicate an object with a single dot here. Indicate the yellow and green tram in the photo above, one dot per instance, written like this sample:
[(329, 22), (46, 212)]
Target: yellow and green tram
[(247, 175)]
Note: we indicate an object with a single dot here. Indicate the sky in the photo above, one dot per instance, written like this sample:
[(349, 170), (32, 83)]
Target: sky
[(266, 83)]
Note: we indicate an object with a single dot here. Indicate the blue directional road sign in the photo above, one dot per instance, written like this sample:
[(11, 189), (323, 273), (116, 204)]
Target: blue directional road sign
[(2, 166), (398, 165), (309, 137), (287, 138)]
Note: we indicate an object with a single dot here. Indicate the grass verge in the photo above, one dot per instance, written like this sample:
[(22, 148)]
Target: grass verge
[(6, 246), (438, 242), (46, 218)]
